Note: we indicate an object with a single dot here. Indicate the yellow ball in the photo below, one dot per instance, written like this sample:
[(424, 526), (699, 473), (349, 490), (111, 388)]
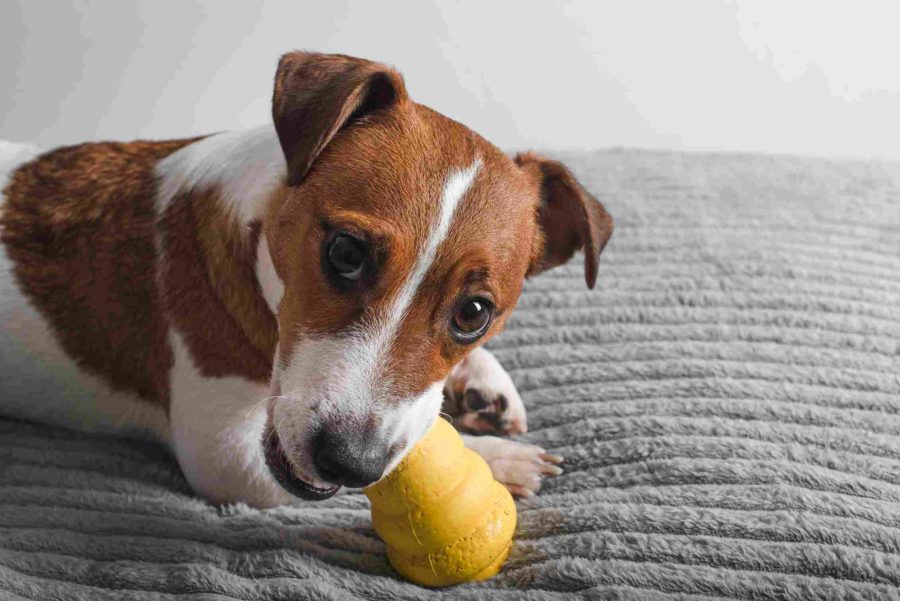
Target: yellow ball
[(443, 517)]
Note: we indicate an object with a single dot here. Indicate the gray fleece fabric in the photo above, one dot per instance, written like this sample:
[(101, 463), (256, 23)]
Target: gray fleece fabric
[(727, 401)]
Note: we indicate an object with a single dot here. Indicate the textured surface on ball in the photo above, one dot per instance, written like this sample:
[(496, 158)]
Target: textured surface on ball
[(441, 514)]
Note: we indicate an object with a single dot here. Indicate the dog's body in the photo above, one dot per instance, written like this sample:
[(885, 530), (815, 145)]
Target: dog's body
[(287, 305)]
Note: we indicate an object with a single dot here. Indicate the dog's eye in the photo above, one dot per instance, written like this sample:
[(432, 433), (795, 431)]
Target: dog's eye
[(346, 256), (471, 319)]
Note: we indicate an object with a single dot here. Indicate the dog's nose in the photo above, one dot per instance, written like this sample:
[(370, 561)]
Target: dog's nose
[(348, 460)]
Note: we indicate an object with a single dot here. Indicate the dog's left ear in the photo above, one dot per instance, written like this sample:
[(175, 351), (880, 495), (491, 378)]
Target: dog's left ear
[(316, 95), (569, 217)]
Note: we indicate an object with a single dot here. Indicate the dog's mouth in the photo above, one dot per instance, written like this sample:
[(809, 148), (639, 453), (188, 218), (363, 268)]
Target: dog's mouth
[(283, 472)]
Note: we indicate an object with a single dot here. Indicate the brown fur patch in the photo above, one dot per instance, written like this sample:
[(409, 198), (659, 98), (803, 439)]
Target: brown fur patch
[(78, 226), (211, 292)]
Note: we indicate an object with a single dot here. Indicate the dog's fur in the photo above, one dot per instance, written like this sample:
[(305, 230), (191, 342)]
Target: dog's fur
[(180, 287)]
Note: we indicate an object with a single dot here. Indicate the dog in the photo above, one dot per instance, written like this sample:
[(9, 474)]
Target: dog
[(288, 308)]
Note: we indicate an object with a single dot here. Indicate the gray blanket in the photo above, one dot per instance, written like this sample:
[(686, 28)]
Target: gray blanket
[(727, 401)]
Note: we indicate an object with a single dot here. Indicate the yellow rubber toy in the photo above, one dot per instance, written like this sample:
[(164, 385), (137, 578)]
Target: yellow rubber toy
[(443, 517)]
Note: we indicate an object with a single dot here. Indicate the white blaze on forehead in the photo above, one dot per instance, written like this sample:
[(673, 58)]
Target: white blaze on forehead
[(455, 187), (371, 340)]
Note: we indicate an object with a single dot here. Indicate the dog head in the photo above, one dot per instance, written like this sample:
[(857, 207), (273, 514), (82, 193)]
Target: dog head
[(402, 240)]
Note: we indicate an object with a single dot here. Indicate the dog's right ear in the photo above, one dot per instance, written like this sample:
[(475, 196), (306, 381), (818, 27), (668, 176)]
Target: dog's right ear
[(318, 94)]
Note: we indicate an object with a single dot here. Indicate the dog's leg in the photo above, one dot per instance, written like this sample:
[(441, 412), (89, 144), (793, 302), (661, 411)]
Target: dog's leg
[(519, 466), (480, 397), (217, 428)]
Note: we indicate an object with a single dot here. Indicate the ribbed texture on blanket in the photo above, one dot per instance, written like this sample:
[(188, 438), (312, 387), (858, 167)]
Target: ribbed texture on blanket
[(727, 400)]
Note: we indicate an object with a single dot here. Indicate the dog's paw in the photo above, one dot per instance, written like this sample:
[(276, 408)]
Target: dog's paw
[(520, 467), (481, 397)]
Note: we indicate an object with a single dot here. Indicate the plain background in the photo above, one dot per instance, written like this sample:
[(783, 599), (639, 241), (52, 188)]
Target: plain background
[(817, 77)]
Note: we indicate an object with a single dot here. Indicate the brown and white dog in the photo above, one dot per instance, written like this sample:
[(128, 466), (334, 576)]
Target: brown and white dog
[(285, 305)]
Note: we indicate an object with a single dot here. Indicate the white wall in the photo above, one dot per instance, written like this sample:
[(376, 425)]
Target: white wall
[(784, 76)]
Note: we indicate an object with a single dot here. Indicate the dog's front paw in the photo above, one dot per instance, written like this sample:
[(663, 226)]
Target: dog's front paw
[(481, 397), (518, 466)]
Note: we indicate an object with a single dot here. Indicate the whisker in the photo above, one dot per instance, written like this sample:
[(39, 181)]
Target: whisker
[(274, 429), (278, 425), (260, 402), (257, 404)]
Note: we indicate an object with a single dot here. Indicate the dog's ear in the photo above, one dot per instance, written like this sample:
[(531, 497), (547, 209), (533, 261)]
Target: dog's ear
[(318, 94), (569, 217)]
